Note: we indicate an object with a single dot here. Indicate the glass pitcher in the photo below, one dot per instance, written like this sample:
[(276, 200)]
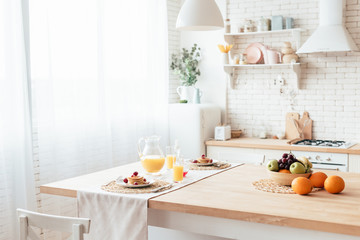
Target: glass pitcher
[(151, 157)]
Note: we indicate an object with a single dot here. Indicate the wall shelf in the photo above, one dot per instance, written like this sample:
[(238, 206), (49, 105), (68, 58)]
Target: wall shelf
[(295, 67), (230, 70), (296, 34)]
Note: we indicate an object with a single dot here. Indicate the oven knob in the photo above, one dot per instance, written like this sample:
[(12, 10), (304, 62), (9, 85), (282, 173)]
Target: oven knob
[(318, 158), (309, 157), (328, 159)]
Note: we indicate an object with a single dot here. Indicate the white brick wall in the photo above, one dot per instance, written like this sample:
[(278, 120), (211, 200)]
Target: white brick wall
[(329, 84), (174, 46)]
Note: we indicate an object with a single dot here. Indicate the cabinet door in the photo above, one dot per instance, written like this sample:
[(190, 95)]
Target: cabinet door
[(243, 155), (354, 163)]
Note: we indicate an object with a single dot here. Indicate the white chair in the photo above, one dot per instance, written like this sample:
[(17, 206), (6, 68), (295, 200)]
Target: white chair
[(76, 226)]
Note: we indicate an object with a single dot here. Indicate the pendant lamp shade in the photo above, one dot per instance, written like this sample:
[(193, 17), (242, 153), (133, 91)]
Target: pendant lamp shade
[(199, 15)]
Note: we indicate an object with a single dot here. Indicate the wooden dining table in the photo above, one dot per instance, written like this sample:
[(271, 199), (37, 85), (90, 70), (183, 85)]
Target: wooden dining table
[(227, 205)]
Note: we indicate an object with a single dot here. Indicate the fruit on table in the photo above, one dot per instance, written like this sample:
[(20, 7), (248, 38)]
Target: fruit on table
[(284, 171), (334, 184), (318, 179), (273, 165), (301, 185), (297, 168), (305, 161)]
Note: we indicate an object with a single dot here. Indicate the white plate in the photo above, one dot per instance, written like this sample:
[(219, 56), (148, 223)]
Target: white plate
[(120, 181), (203, 164)]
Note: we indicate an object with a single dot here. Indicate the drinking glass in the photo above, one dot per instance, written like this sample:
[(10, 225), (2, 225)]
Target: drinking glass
[(170, 157), (178, 170)]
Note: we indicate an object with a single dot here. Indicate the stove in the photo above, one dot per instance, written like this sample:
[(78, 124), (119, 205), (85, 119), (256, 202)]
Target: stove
[(324, 143)]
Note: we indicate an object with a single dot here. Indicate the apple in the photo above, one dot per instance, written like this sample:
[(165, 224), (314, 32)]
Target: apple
[(273, 165), (297, 168)]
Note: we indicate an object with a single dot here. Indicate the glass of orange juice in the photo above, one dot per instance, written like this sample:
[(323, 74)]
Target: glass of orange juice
[(178, 170), (170, 157)]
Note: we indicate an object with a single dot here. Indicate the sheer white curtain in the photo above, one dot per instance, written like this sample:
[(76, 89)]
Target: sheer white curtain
[(100, 73), (16, 175)]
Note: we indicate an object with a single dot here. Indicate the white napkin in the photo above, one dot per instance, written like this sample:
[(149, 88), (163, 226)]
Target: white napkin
[(114, 216), (117, 216)]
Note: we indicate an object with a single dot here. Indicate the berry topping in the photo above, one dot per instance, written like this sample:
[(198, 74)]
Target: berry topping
[(211, 161), (125, 180), (195, 161), (135, 183), (144, 180), (135, 173), (203, 156)]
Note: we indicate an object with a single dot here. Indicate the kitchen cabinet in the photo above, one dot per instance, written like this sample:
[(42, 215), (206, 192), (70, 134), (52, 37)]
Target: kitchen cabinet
[(354, 163), (295, 67), (246, 149)]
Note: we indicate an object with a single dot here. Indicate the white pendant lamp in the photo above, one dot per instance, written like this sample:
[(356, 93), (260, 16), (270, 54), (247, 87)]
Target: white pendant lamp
[(199, 15)]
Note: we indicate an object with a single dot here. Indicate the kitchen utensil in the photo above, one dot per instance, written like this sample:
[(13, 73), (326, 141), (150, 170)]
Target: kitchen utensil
[(276, 23), (253, 54), (289, 22), (273, 57), (151, 157), (291, 131), (160, 188), (305, 123)]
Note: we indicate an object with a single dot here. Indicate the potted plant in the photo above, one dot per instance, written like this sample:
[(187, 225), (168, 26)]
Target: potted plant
[(185, 65)]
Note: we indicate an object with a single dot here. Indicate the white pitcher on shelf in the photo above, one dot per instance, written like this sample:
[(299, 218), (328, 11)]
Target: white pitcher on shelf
[(185, 93)]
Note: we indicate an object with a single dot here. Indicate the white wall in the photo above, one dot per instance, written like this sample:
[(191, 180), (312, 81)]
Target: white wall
[(330, 83), (212, 81)]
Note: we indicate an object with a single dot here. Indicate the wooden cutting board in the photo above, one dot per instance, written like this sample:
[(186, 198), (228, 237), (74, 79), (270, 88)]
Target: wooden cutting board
[(305, 125), (291, 131), (298, 128)]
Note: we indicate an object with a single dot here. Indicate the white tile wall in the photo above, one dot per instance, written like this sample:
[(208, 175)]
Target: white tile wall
[(329, 85), (174, 46)]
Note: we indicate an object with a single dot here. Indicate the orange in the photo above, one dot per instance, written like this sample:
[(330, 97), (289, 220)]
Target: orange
[(301, 185), (334, 184), (284, 171), (317, 179)]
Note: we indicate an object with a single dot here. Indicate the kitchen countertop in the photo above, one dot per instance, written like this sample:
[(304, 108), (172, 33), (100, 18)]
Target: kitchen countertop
[(231, 195), (276, 144)]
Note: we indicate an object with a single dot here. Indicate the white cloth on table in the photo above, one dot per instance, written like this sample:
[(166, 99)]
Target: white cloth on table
[(117, 216)]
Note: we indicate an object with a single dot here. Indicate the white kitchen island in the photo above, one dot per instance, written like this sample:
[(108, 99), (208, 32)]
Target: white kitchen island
[(226, 205)]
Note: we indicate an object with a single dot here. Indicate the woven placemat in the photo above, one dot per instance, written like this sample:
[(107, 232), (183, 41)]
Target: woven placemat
[(268, 185), (216, 166), (116, 188)]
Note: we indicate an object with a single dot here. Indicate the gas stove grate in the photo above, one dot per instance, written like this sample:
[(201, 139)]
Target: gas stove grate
[(323, 143)]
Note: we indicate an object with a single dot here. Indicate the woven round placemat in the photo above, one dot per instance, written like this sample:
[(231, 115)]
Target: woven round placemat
[(212, 167), (116, 188), (268, 185)]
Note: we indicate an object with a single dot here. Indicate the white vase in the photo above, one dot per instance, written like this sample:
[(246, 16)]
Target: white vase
[(225, 57), (185, 93)]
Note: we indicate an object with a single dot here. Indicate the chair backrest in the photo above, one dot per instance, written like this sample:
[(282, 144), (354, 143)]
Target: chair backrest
[(77, 226)]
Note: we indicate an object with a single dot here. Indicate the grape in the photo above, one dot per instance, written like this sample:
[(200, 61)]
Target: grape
[(287, 167), (285, 155), (290, 161), (280, 161), (291, 157), (284, 160), (282, 165)]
